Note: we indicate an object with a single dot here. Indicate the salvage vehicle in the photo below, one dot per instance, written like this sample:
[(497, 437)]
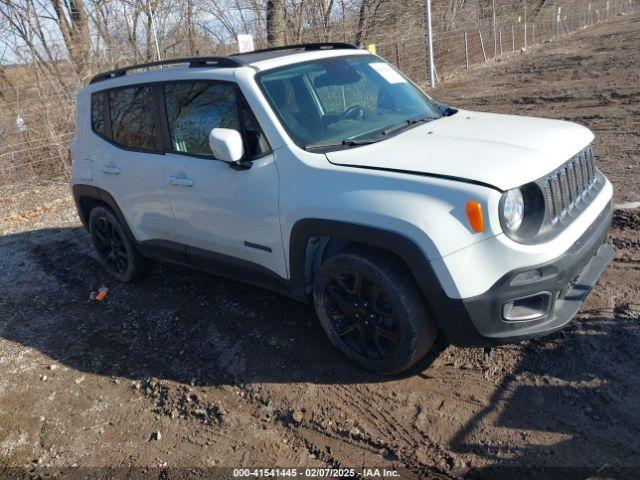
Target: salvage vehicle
[(322, 172)]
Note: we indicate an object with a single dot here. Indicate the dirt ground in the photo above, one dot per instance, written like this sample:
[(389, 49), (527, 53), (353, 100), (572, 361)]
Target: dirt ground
[(184, 370)]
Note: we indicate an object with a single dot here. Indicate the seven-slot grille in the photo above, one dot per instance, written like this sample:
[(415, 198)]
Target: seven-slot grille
[(569, 185)]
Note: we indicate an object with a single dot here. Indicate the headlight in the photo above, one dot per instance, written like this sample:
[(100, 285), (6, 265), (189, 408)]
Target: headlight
[(513, 210)]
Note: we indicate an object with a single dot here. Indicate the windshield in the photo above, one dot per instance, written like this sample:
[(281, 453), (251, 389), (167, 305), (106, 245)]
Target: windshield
[(336, 101)]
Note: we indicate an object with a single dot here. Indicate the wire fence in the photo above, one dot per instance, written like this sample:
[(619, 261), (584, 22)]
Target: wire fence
[(37, 110)]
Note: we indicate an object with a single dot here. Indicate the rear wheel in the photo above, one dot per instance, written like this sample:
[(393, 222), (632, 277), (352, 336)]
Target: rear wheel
[(115, 250), (372, 311)]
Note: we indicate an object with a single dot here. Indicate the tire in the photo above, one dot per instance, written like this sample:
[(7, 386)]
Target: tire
[(115, 249), (386, 327)]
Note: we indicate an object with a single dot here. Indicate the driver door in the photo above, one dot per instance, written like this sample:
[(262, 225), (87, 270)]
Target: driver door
[(220, 213)]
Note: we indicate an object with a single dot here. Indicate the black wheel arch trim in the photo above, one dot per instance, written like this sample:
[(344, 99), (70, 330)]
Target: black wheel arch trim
[(83, 191), (401, 246)]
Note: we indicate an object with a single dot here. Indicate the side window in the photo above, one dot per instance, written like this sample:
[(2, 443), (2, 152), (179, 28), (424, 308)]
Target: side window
[(133, 122), (194, 109), (97, 113)]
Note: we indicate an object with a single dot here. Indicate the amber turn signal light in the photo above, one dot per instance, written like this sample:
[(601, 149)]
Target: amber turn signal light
[(474, 214)]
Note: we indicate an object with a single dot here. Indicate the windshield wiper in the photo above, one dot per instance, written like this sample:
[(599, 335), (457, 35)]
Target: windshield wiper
[(406, 124), (341, 143), (356, 143)]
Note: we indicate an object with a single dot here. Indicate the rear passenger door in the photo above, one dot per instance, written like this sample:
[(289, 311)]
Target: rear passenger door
[(130, 160), (221, 213)]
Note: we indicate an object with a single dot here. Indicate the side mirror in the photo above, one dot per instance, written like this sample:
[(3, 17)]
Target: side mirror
[(226, 145)]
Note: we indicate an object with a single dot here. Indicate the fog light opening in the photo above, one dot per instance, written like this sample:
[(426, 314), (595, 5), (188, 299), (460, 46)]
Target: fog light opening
[(526, 277), (531, 307)]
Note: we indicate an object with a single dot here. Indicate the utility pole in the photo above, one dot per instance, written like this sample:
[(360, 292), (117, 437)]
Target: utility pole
[(525, 25), (558, 21), (432, 67), (495, 35)]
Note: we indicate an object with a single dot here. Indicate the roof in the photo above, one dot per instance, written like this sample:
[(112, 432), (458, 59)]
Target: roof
[(232, 61), (249, 58)]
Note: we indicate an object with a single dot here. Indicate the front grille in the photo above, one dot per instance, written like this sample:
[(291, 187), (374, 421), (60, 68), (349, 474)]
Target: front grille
[(569, 185)]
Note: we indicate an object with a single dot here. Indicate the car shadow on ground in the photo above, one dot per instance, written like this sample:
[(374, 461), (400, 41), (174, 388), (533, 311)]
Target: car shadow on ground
[(176, 324)]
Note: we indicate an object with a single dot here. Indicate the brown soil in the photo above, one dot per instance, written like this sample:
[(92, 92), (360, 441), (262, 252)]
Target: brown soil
[(591, 77), (231, 375)]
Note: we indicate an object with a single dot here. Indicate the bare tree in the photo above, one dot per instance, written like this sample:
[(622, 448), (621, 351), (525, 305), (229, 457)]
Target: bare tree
[(7, 92), (28, 35), (366, 17), (275, 23), (73, 22), (191, 27), (319, 14)]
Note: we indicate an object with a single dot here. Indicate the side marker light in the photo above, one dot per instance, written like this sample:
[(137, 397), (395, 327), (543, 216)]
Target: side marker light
[(474, 214)]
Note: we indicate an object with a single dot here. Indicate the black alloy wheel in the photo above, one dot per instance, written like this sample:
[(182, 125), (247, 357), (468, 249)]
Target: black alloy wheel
[(362, 315), (372, 311), (115, 248), (110, 245)]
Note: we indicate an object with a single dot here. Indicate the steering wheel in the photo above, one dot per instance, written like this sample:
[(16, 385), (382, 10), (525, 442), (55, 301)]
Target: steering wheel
[(355, 112)]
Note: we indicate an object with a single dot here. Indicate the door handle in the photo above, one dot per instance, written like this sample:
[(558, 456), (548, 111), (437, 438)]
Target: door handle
[(110, 169), (181, 181)]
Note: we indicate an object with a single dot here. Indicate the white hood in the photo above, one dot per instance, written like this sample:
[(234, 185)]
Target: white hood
[(505, 151)]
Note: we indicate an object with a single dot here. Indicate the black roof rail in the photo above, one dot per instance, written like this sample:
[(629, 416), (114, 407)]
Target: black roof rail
[(192, 61), (301, 46), (229, 61)]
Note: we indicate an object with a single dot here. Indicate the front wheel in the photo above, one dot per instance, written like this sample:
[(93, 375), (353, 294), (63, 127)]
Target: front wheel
[(372, 311)]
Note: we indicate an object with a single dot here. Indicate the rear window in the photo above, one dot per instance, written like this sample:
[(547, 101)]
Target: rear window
[(97, 113), (133, 122)]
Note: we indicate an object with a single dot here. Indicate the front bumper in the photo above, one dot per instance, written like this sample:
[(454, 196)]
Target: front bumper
[(568, 279)]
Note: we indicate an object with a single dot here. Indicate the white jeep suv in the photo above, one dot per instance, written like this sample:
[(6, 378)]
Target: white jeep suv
[(321, 172)]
